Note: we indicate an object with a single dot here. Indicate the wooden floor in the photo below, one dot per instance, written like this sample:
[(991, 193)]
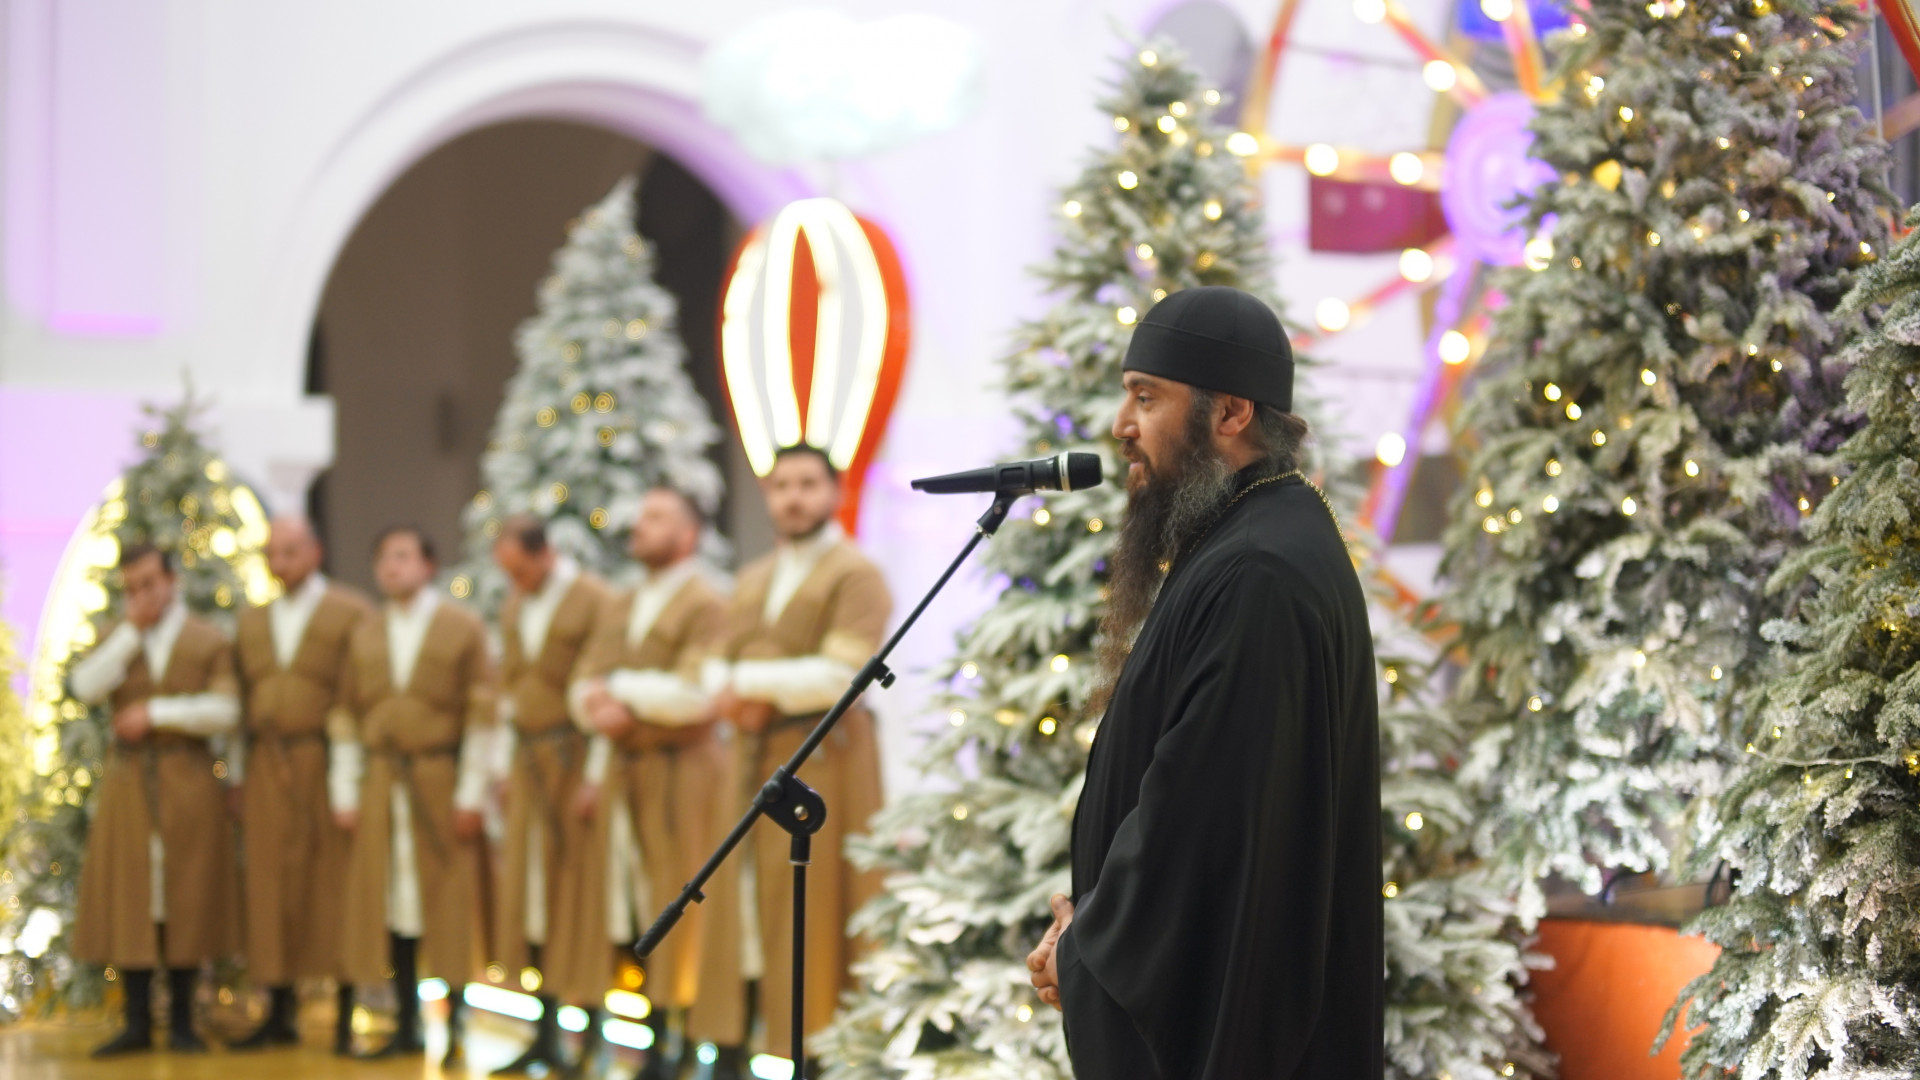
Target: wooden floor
[(58, 1050)]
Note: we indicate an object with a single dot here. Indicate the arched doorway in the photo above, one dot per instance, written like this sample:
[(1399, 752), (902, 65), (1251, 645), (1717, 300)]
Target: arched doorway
[(413, 338)]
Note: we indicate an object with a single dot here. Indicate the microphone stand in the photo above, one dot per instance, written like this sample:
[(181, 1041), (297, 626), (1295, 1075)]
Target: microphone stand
[(800, 810)]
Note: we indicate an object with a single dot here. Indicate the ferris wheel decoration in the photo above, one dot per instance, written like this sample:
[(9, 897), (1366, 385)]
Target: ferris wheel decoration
[(1476, 178)]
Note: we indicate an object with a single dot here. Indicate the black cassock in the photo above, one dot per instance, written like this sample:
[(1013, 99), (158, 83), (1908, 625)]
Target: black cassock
[(1226, 850)]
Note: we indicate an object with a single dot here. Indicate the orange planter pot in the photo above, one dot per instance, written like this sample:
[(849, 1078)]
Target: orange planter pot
[(1610, 986)]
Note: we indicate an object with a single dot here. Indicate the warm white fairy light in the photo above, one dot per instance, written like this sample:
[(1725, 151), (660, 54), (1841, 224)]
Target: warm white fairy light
[(1321, 159)]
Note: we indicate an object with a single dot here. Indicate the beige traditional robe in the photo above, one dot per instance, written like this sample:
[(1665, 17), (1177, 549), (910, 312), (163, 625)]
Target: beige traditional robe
[(296, 856), (161, 815), (833, 620), (544, 757), (412, 736), (660, 786)]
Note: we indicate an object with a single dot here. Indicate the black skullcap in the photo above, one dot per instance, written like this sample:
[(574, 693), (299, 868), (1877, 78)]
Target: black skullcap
[(1217, 338)]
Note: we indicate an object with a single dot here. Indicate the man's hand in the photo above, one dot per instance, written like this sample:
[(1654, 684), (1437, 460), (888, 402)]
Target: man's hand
[(347, 820), (586, 801), (466, 824), (609, 717), (750, 716), (133, 723), (1041, 962)]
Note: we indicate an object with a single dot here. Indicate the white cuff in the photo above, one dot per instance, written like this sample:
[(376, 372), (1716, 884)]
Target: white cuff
[(505, 741), (715, 675), (796, 686), (100, 672), (235, 752), (577, 701), (599, 756), (346, 764), (195, 714), (658, 697), (470, 783)]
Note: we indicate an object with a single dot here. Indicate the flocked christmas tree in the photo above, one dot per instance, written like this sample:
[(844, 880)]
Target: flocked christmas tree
[(946, 994), (601, 409), (1821, 822), (1656, 415), (182, 498)]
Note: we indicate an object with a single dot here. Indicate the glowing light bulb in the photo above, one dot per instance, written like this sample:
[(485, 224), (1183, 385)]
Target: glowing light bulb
[(1241, 144), (1127, 316), (1497, 10), (1551, 392), (1128, 179), (1166, 124), (1629, 508), (1321, 159), (1406, 168), (1416, 265), (1211, 210), (1144, 251), (1333, 314), (1370, 11), (1071, 208), (1391, 450), (1692, 468), (1059, 663), (1440, 76), (1538, 253), (1626, 114), (1148, 58), (1454, 347), (1550, 505), (1648, 377), (1573, 410)]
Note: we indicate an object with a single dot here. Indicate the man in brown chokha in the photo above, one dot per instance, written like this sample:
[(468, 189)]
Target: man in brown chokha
[(543, 631), (411, 788), (157, 888), (293, 669), (653, 774), (802, 621)]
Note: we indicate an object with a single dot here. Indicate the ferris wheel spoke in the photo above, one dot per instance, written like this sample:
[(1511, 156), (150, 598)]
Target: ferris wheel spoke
[(1465, 86), (1523, 44), (1445, 362), (1253, 114)]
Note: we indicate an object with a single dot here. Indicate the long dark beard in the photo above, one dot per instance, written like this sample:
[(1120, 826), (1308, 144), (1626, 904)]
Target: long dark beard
[(1176, 507)]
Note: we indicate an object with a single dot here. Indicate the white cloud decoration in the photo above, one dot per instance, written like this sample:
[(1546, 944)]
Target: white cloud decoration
[(811, 84)]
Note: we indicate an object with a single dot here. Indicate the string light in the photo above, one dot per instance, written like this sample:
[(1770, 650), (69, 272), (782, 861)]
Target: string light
[(1439, 76), (1628, 506), (1121, 123), (957, 717), (1143, 251), (1416, 265), (1648, 377), (1550, 504), (1391, 450), (1692, 467), (1060, 663), (1497, 10), (1551, 391), (1406, 168), (1048, 725), (1370, 11), (1332, 314), (1573, 410), (1534, 704), (1626, 114), (1454, 347), (1416, 821), (1211, 210), (1599, 437), (1127, 316), (1538, 253), (1178, 108), (1071, 208), (1128, 179), (1166, 124), (1320, 159), (1241, 144)]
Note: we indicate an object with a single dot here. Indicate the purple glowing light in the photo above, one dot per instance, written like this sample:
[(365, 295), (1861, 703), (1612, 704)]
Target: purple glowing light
[(1489, 166)]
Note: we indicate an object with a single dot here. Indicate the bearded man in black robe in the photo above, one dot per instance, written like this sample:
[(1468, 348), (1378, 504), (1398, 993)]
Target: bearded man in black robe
[(1225, 922)]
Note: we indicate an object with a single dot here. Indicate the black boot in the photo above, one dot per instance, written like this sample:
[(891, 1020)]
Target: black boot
[(546, 1042), (280, 1027), (343, 1021), (592, 1042), (456, 1028), (731, 1064), (406, 1003), (137, 1034), (181, 1038), (660, 1064)]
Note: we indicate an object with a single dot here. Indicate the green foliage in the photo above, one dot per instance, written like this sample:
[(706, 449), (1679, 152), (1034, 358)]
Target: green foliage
[(182, 498), (972, 865), (1819, 973), (600, 411), (1658, 409)]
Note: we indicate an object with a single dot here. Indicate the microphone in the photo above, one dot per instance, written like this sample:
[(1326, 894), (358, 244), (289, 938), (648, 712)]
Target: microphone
[(1066, 472)]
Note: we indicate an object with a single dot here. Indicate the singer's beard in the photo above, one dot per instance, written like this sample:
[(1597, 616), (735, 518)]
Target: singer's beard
[(1180, 500)]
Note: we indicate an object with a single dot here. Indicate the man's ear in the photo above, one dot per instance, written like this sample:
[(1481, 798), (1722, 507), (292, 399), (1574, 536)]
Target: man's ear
[(1236, 416)]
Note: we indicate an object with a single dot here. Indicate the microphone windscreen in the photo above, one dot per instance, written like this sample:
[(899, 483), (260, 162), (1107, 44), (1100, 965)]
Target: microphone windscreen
[(1083, 471)]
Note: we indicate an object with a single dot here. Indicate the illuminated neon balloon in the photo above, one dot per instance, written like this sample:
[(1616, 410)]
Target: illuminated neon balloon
[(813, 338)]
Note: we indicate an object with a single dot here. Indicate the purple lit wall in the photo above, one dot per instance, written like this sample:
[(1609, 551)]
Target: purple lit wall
[(58, 449), (86, 120)]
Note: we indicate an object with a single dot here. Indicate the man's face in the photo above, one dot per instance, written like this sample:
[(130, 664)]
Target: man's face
[(148, 586), (665, 532), (801, 495), (293, 554), (527, 570), (401, 568), (1152, 426)]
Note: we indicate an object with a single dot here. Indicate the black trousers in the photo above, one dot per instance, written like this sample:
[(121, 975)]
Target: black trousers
[(1101, 1037)]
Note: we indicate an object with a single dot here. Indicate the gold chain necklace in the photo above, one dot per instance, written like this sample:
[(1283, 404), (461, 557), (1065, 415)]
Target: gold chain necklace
[(1248, 490)]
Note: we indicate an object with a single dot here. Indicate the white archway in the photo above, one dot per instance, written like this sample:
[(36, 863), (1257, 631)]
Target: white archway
[(639, 81)]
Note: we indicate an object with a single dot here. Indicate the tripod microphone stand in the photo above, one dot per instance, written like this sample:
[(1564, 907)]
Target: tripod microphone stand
[(800, 810)]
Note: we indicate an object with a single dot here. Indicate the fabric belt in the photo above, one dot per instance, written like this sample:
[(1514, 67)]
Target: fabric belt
[(549, 808), (305, 824), (403, 763)]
